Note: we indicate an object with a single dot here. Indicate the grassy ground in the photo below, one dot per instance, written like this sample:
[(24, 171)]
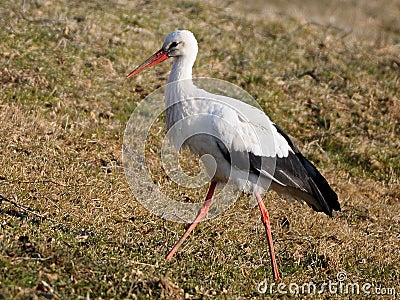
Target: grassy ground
[(69, 225)]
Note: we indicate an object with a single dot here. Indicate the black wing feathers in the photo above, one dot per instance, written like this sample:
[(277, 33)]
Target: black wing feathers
[(297, 170), (301, 178)]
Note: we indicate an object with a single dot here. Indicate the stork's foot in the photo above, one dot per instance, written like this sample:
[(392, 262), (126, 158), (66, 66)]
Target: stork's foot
[(265, 220)]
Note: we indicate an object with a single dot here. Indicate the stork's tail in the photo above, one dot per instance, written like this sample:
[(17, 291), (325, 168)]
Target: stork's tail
[(320, 188)]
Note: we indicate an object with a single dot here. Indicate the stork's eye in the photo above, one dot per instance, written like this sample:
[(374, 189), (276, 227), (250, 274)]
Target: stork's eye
[(173, 45)]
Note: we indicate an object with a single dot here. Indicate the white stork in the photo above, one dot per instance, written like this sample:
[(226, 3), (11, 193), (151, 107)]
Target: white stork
[(260, 153)]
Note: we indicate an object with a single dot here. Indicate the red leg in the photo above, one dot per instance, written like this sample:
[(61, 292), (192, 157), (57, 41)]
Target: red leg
[(265, 220), (202, 212)]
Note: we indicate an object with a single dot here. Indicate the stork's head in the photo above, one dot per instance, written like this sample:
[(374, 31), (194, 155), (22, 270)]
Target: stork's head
[(180, 43)]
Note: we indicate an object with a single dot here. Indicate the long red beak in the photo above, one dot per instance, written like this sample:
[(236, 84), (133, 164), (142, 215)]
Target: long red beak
[(156, 58)]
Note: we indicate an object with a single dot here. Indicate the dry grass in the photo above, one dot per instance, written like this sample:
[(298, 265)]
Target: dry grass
[(64, 104)]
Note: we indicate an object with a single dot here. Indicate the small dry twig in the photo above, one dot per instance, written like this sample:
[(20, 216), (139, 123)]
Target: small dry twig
[(312, 74), (24, 208)]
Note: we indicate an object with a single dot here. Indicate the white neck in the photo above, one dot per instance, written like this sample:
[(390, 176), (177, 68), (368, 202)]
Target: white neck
[(181, 68), (180, 85), (180, 88)]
